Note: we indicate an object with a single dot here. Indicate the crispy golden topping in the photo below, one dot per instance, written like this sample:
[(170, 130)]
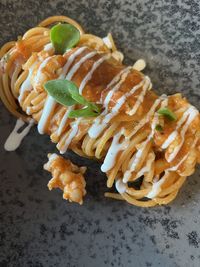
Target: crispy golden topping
[(66, 176)]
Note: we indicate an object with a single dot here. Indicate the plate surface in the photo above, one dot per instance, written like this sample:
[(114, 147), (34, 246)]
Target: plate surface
[(37, 227)]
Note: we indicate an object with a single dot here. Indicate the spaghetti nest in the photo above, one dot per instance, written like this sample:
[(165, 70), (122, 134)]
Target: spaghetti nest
[(146, 155)]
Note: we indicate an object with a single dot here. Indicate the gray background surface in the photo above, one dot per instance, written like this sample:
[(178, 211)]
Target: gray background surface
[(37, 227)]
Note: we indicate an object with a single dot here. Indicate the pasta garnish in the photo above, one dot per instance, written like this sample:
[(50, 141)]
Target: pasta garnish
[(66, 93), (63, 37)]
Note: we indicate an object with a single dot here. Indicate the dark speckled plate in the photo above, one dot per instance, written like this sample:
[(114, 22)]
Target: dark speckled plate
[(37, 227)]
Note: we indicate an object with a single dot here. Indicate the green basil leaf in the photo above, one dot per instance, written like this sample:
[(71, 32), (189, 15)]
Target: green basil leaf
[(96, 107), (159, 128), (81, 100), (77, 97), (167, 113), (64, 36), (58, 89), (66, 93), (86, 112)]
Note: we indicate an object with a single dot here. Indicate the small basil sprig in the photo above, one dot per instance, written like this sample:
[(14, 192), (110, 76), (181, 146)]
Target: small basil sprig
[(64, 36), (167, 113), (81, 100), (66, 93), (85, 112), (159, 128)]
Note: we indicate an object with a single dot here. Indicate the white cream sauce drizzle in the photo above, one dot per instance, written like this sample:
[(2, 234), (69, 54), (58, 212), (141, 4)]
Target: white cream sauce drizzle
[(90, 73), (72, 134), (147, 167), (100, 124), (122, 99), (113, 150), (190, 113), (39, 74), (120, 186), (140, 98), (97, 127), (64, 120), (174, 168), (48, 47), (68, 77), (173, 135), (46, 113), (193, 113), (70, 60), (78, 65), (74, 128), (117, 79), (26, 85), (123, 75), (135, 160), (156, 187), (50, 102), (149, 114), (137, 156), (14, 139)]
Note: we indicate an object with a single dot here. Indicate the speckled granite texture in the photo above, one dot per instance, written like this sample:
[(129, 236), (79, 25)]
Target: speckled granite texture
[(38, 228)]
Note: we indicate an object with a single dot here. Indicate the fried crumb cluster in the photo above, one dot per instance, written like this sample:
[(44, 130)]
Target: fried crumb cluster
[(66, 176)]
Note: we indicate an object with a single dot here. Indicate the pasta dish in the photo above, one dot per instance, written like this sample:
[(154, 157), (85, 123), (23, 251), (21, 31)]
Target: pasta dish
[(77, 90)]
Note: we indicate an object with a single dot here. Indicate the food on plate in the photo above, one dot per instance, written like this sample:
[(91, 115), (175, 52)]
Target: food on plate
[(66, 176), (76, 88)]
